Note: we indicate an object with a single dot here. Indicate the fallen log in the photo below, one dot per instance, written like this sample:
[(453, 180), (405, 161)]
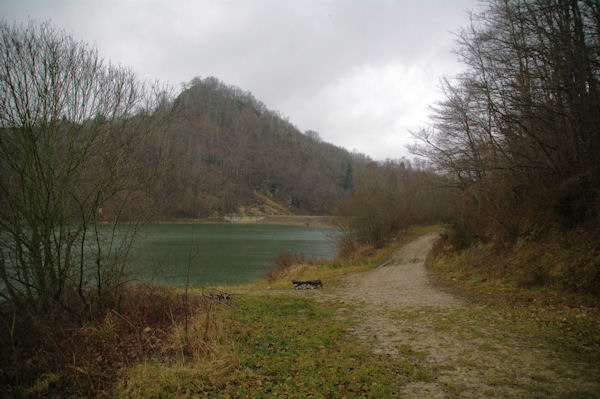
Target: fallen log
[(306, 285)]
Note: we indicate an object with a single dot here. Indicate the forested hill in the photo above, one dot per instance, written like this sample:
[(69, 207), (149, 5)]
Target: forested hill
[(225, 147)]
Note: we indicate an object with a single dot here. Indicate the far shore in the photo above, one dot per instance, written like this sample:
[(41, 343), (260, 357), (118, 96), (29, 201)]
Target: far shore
[(285, 220)]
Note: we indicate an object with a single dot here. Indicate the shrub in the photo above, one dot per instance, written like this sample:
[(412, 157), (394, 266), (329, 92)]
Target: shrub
[(282, 262), (58, 358)]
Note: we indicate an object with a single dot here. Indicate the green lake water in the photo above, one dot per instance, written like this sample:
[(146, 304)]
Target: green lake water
[(221, 254)]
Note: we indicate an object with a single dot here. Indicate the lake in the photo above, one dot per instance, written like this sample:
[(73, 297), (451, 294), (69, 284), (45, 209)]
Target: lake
[(221, 254)]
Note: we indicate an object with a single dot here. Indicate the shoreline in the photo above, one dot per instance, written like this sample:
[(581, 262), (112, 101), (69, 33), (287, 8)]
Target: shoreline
[(283, 220)]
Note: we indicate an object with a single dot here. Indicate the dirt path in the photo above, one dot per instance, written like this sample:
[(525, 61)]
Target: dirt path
[(473, 351)]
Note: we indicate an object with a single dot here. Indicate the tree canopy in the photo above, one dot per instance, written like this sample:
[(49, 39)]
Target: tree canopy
[(520, 130)]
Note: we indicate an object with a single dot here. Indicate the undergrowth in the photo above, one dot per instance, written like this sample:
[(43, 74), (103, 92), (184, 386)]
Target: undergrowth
[(62, 358), (551, 280)]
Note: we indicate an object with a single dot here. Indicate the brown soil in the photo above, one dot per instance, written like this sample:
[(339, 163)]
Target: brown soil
[(473, 351)]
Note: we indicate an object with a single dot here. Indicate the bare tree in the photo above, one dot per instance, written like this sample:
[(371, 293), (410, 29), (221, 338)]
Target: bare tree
[(73, 141), (390, 197), (520, 130)]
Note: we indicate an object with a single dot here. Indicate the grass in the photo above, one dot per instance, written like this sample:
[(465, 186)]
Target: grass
[(297, 347), (279, 346), (326, 270), (362, 259), (542, 360), (564, 263), (191, 362), (511, 282)]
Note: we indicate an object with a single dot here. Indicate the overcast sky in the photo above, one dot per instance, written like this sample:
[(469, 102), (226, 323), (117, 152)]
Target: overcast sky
[(360, 73)]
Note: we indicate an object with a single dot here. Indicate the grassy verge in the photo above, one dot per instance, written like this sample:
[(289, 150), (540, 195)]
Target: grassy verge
[(524, 283), (278, 346), (362, 259), (500, 354), (326, 270)]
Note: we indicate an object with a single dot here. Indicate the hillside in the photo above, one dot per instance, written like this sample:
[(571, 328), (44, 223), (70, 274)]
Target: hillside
[(224, 147)]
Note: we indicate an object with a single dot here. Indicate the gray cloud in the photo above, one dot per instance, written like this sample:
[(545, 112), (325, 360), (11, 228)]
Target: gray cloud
[(361, 73)]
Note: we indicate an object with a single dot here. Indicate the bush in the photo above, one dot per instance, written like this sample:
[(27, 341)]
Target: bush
[(282, 262), (388, 198), (59, 358), (73, 131)]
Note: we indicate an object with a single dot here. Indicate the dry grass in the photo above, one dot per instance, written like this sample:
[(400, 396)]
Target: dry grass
[(59, 358), (564, 263), (548, 280), (326, 270), (289, 267), (199, 358), (282, 263)]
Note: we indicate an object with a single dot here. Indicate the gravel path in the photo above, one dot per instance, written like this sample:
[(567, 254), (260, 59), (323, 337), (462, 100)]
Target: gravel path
[(402, 281), (473, 351)]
